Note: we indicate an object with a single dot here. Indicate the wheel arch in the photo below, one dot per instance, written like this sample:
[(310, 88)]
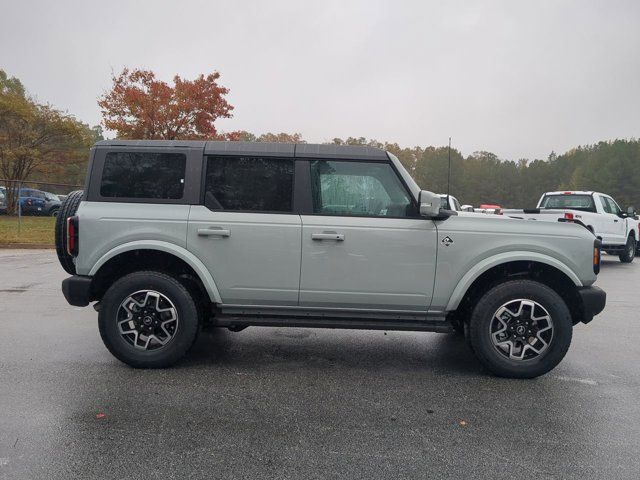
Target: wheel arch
[(159, 256), (490, 272)]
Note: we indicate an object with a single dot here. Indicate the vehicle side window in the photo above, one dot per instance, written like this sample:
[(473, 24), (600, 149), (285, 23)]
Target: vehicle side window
[(358, 188), (605, 204), (613, 206), (143, 175), (249, 184)]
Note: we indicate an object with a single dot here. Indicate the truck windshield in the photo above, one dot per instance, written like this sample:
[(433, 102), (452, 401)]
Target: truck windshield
[(569, 201)]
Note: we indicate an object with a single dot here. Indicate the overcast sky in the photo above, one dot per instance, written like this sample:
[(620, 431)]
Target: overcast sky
[(516, 78)]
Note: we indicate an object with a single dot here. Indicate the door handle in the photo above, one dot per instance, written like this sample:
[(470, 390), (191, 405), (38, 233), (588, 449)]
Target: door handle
[(338, 237), (214, 232), (615, 221)]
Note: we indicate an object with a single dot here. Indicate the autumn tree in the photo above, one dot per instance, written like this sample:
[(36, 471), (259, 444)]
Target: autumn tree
[(34, 137), (139, 106)]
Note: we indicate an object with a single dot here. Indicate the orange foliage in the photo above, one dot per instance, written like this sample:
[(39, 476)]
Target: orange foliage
[(139, 106)]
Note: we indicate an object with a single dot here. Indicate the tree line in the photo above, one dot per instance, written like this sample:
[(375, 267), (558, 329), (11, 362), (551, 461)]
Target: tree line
[(39, 142)]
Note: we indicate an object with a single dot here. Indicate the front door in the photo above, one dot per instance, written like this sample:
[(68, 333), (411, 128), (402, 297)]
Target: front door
[(364, 247), (614, 225), (246, 233)]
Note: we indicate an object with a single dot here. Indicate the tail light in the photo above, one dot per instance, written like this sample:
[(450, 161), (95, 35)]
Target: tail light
[(72, 236), (568, 216), (597, 254)]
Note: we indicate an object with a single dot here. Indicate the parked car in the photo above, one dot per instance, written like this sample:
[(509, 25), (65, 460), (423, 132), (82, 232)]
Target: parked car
[(619, 230), (3, 201), (490, 208), (169, 235), (37, 202), (449, 202)]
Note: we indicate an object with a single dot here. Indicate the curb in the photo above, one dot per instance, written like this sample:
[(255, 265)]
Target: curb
[(27, 246)]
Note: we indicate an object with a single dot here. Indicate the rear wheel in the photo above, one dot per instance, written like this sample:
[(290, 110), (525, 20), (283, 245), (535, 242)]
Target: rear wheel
[(68, 209), (148, 320), (520, 329), (629, 251)]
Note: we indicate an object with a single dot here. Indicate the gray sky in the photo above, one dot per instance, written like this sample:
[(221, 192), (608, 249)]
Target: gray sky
[(516, 78)]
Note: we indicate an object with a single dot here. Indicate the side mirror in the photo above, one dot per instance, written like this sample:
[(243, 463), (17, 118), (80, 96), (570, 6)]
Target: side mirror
[(631, 211), (467, 208), (429, 204)]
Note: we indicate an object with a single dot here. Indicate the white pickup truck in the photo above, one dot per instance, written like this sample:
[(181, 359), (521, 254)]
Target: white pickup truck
[(617, 229)]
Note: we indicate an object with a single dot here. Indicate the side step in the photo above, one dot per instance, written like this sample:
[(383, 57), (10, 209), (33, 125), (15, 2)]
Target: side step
[(239, 322)]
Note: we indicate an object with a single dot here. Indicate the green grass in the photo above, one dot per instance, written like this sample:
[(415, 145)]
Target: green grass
[(32, 230)]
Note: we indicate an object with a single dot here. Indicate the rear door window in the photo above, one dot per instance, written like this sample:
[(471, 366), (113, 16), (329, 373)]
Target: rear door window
[(143, 175), (249, 184)]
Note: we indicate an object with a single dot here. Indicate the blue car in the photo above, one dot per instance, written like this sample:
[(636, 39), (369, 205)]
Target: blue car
[(33, 202)]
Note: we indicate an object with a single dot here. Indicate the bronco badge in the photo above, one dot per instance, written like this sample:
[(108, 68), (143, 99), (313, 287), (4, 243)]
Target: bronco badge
[(446, 241)]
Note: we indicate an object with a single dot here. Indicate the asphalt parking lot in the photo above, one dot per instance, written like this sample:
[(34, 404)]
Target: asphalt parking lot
[(304, 403)]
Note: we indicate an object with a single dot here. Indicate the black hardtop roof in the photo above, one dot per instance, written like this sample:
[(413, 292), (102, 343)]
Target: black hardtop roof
[(299, 150)]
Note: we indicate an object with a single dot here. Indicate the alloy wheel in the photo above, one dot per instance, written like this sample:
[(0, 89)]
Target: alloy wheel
[(147, 320), (521, 329)]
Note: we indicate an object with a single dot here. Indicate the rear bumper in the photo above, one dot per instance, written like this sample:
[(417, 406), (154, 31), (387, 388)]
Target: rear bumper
[(77, 290), (593, 301)]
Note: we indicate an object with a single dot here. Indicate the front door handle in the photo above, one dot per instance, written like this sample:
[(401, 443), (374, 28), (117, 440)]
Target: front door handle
[(615, 221), (214, 232), (338, 237)]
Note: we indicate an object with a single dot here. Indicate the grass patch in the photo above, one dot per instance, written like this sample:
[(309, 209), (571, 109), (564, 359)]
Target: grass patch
[(32, 230)]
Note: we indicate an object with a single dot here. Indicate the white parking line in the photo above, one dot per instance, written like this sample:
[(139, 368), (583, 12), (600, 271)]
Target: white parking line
[(586, 381)]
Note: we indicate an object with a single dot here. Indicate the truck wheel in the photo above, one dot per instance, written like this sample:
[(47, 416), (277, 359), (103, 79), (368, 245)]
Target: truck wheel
[(520, 329), (67, 209), (629, 251), (148, 320)]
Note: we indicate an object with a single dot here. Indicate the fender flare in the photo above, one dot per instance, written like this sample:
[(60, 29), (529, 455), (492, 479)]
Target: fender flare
[(467, 280), (180, 252)]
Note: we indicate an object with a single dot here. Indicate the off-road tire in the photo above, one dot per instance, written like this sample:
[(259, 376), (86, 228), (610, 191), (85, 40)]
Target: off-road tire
[(479, 335), (183, 338), (67, 209), (629, 251)]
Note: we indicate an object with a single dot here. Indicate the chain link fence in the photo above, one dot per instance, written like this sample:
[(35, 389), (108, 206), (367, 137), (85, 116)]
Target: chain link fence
[(28, 210)]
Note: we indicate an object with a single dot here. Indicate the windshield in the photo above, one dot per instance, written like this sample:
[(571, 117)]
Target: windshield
[(569, 201)]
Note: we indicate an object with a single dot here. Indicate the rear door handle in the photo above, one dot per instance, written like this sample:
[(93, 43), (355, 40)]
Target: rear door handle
[(338, 237), (214, 232)]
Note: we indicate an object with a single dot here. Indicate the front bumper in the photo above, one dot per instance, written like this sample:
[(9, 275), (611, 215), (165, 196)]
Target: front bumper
[(77, 290), (593, 302)]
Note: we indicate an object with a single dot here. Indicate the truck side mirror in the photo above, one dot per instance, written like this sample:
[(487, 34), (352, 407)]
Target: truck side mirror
[(631, 211), (429, 204)]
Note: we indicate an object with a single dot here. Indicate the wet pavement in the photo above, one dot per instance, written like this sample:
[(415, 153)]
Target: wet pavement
[(306, 403)]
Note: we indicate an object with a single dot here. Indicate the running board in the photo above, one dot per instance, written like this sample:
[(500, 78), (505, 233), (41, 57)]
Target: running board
[(237, 322)]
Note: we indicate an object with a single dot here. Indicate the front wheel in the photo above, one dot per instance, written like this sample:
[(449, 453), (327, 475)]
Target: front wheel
[(148, 320), (520, 329), (629, 251)]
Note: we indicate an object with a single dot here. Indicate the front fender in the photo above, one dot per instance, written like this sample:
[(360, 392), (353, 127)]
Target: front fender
[(183, 254), (499, 259)]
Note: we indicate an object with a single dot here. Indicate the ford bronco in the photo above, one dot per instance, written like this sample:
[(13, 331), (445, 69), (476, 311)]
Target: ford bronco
[(170, 235)]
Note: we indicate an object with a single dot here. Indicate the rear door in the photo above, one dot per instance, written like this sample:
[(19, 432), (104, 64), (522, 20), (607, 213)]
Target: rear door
[(363, 244), (245, 231)]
